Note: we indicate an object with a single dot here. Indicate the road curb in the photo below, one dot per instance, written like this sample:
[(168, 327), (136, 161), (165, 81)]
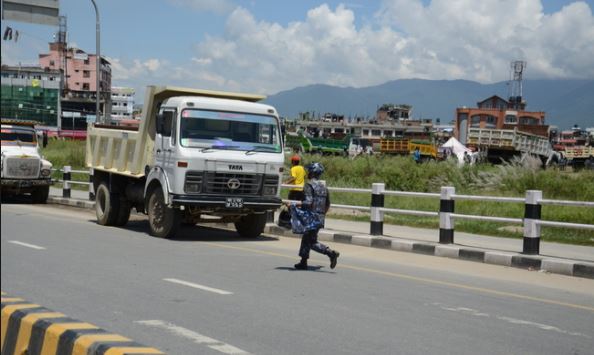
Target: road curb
[(29, 328), (510, 259)]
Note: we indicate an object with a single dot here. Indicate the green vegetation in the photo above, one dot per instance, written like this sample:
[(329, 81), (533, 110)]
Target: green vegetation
[(66, 152), (509, 179), (403, 174)]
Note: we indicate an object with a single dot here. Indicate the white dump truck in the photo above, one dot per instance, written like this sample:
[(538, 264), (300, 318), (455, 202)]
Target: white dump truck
[(197, 156), (23, 168)]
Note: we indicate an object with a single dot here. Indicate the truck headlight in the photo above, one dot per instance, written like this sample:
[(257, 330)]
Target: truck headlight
[(270, 187), (46, 172), (269, 190)]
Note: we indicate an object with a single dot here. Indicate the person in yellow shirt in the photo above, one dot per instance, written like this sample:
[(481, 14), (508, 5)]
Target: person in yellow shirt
[(297, 178)]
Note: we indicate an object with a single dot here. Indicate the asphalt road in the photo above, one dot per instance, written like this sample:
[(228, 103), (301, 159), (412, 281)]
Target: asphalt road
[(211, 292)]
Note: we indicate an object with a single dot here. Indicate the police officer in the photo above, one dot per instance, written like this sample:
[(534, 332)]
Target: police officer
[(317, 200)]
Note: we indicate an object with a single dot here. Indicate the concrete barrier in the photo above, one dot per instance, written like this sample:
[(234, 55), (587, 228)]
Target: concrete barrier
[(30, 329)]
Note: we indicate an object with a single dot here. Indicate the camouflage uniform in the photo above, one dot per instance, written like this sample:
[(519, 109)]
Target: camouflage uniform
[(316, 200)]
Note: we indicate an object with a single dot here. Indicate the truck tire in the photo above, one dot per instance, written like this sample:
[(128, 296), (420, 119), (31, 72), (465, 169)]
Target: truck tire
[(107, 205), (40, 194), (163, 221), (124, 213), (251, 226)]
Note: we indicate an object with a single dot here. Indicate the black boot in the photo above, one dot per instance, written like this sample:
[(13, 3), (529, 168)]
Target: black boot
[(333, 255), (302, 265)]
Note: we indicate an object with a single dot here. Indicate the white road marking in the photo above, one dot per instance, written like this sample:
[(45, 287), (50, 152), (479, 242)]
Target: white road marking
[(195, 337), (476, 313), (32, 246), (201, 287)]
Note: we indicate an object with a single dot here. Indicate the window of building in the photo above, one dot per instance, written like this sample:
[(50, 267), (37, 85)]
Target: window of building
[(86, 74), (526, 120), (52, 63), (376, 132), (511, 119), (388, 133), (491, 122), (365, 132), (86, 86), (475, 121)]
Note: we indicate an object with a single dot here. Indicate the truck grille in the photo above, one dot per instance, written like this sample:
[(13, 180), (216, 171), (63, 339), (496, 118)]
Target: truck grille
[(219, 183), (21, 168)]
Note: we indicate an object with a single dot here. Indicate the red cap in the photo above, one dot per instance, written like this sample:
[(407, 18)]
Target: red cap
[(295, 158)]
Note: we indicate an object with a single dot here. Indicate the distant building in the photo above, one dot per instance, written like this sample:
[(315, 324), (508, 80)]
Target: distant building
[(79, 89), (32, 93), (122, 103), (497, 113), (391, 112)]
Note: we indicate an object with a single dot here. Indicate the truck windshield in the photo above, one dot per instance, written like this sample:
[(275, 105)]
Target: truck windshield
[(229, 130), (10, 136)]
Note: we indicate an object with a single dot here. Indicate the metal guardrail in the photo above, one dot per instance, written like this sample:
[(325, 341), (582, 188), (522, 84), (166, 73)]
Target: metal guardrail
[(67, 181), (531, 220)]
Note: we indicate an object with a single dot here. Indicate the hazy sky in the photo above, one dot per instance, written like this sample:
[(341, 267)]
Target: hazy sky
[(269, 46)]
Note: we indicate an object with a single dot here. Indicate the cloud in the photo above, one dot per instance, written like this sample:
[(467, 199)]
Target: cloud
[(445, 39)]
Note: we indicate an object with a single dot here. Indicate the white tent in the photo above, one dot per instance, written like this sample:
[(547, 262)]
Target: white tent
[(457, 148)]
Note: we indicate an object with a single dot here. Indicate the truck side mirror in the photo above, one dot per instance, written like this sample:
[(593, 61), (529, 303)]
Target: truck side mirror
[(44, 139), (164, 122), (160, 123)]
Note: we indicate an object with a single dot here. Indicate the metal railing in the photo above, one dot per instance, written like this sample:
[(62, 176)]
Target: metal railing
[(531, 220), (67, 181)]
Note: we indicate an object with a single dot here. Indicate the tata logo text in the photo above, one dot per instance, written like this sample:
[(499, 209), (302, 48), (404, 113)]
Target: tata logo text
[(235, 167)]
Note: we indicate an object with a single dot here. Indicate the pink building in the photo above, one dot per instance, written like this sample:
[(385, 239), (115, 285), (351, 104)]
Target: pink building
[(79, 70)]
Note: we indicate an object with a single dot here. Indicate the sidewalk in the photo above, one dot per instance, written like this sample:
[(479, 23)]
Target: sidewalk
[(558, 258)]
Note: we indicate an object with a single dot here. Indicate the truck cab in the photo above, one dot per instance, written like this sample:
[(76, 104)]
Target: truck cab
[(23, 168)]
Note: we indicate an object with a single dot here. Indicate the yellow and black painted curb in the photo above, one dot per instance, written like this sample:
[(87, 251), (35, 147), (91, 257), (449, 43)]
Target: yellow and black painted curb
[(30, 329)]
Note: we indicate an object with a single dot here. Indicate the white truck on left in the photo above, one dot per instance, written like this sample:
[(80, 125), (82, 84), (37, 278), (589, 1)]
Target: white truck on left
[(23, 168)]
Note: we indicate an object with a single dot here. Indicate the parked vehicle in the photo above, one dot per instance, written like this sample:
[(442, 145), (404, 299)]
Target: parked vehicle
[(196, 153), (23, 168), (405, 146), (505, 143)]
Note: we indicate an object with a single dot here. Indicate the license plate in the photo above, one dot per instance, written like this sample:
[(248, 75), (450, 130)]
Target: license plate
[(234, 202)]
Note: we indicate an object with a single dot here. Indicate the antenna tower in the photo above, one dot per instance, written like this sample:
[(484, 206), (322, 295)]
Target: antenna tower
[(515, 82)]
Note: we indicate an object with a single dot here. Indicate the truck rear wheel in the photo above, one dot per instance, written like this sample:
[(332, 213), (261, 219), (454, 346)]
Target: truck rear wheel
[(107, 205), (251, 226), (163, 221), (40, 194)]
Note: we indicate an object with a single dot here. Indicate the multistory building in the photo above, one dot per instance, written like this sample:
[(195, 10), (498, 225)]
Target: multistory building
[(32, 93)]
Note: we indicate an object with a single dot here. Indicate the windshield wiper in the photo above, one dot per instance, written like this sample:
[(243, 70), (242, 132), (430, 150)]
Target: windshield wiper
[(261, 149)]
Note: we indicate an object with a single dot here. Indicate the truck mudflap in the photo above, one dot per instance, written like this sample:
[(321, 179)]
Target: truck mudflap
[(228, 203)]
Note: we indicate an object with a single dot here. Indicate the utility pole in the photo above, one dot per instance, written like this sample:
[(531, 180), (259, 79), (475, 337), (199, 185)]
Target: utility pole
[(97, 60)]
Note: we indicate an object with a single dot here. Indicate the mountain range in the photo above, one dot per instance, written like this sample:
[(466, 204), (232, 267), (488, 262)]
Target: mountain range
[(565, 102)]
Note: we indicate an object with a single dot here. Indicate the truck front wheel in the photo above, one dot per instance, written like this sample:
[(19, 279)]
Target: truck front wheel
[(163, 221), (107, 205), (40, 194), (251, 226)]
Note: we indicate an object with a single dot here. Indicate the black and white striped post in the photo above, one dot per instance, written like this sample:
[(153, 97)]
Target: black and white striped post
[(532, 214), (446, 208), (66, 184), (377, 202), (91, 187)]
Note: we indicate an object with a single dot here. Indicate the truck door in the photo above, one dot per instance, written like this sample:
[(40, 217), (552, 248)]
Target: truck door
[(165, 144)]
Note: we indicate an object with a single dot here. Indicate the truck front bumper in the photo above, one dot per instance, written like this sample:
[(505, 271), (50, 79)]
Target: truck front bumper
[(220, 203), (22, 183)]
